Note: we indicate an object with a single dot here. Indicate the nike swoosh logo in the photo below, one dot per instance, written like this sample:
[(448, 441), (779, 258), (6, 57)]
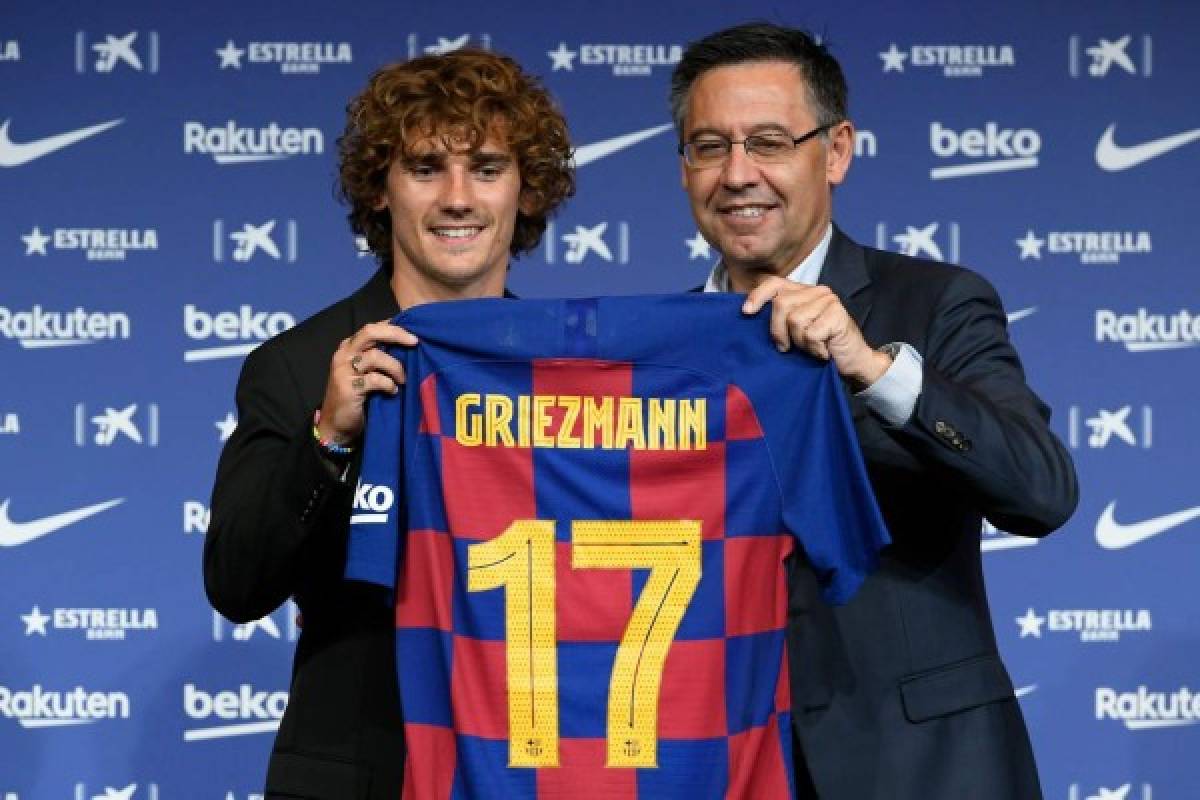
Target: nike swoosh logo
[(1017, 316), (606, 147), (15, 533), (1114, 158), (1112, 535), (14, 155)]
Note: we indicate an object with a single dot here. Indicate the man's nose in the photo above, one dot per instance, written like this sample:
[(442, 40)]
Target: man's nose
[(740, 170), (458, 193)]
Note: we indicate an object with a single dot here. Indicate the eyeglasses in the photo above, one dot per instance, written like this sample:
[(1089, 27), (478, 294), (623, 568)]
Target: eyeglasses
[(710, 150)]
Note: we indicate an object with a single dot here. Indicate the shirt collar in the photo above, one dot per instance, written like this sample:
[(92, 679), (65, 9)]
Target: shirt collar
[(807, 272)]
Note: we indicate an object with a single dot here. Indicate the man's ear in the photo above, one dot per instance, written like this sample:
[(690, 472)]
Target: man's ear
[(839, 153)]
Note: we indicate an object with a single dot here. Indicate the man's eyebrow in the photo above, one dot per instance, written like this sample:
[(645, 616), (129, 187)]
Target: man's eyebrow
[(484, 157), (429, 159)]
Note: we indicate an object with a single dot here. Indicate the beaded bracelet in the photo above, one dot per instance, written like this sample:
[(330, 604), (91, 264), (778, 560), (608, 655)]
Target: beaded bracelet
[(328, 446)]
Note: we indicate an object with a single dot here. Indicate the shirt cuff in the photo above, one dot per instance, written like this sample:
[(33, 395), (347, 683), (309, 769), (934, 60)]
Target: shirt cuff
[(894, 396)]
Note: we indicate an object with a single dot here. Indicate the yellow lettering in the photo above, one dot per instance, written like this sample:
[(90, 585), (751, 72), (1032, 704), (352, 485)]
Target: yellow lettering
[(693, 424), (467, 425), (630, 428), (542, 420), (523, 420), (570, 404), (662, 424), (598, 418), (499, 420)]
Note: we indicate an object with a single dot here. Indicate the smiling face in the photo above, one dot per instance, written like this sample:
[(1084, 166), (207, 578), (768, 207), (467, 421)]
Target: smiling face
[(762, 217), (453, 213)]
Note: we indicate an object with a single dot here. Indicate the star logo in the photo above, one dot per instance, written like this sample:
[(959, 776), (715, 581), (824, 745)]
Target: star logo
[(35, 622), (562, 58), (35, 242), (226, 427), (1031, 624), (230, 55), (698, 247), (893, 59), (1031, 246)]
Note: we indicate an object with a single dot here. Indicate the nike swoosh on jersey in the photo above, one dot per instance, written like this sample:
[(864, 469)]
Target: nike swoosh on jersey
[(1017, 316), (1112, 535), (13, 154), (1113, 157), (606, 147), (15, 533)]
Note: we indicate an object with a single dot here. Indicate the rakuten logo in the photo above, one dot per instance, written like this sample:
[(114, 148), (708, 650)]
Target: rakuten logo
[(195, 517), (1143, 709), (1004, 148), (38, 708), (371, 504), (1144, 331), (238, 713), (247, 326)]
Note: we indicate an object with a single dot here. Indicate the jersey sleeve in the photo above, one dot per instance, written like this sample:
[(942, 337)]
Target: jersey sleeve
[(828, 503), (376, 521)]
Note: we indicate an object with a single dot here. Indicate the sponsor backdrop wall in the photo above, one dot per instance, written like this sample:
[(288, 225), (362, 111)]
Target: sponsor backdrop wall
[(166, 203)]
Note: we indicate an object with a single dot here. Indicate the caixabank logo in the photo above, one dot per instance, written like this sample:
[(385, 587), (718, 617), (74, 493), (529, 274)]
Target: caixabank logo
[(38, 707), (440, 45), (1143, 709), (229, 334), (226, 713), (109, 53), (39, 328)]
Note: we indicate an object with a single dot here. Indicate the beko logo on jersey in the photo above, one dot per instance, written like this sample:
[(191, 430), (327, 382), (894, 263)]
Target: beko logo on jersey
[(234, 144), (1092, 247), (1144, 709), (1143, 331), (97, 244), (1091, 625), (110, 624), (999, 149), (625, 60), (38, 328), (371, 504), (247, 326), (38, 708), (955, 60), (293, 58), (236, 713)]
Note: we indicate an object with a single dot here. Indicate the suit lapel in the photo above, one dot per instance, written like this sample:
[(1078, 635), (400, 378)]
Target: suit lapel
[(845, 272)]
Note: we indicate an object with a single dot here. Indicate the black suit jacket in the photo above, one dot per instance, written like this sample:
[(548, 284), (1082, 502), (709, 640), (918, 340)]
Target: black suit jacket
[(901, 693), (278, 529)]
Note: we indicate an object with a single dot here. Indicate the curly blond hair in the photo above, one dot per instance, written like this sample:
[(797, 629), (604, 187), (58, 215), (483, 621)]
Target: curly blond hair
[(464, 95)]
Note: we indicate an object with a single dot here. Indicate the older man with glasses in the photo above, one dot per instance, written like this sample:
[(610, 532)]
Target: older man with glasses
[(900, 693)]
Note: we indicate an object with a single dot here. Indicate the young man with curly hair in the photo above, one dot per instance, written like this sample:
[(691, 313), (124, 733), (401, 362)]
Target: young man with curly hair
[(450, 165)]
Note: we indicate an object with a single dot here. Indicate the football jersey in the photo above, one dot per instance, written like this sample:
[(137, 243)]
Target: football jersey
[(584, 508)]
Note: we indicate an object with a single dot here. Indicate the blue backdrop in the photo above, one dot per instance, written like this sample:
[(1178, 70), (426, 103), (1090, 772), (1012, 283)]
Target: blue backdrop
[(166, 201)]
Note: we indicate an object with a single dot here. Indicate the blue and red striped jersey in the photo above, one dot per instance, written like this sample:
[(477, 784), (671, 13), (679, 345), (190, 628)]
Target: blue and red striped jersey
[(584, 508)]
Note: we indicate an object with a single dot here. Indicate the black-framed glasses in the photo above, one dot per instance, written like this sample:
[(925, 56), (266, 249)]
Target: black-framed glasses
[(712, 150)]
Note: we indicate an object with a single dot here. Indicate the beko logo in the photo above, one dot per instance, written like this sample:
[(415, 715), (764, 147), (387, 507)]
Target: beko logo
[(238, 713), (248, 327), (996, 149)]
